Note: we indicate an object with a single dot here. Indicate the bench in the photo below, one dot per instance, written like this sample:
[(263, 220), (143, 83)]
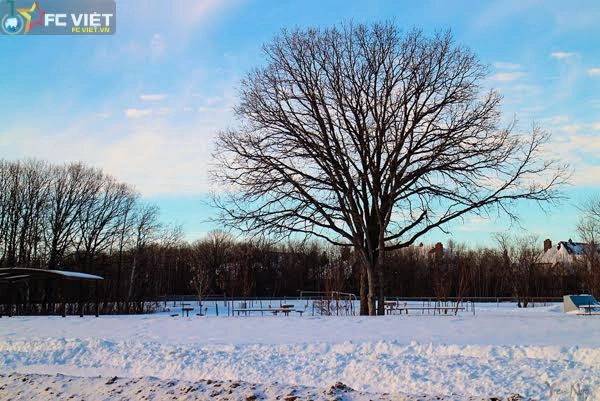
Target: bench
[(439, 309), (274, 311), (186, 310)]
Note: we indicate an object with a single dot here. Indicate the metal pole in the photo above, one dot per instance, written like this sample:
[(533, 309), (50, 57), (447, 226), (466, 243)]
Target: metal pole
[(80, 298), (97, 301)]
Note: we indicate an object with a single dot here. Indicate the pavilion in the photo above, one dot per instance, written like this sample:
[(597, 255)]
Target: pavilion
[(16, 279)]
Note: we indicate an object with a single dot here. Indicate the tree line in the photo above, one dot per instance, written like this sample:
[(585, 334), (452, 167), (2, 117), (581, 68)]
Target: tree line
[(510, 268), (75, 217)]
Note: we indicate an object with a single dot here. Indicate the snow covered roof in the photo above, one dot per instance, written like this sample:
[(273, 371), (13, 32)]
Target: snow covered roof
[(565, 252), (19, 273)]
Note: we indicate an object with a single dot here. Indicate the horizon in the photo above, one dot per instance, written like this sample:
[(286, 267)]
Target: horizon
[(144, 104)]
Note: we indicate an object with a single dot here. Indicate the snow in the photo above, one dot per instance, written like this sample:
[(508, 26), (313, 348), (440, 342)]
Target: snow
[(41, 387), (69, 274), (499, 351), (45, 272)]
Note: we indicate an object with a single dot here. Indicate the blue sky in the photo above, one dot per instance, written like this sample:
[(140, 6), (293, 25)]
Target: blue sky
[(145, 103)]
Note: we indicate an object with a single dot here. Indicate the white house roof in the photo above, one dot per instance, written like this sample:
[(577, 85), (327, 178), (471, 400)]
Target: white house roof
[(564, 252)]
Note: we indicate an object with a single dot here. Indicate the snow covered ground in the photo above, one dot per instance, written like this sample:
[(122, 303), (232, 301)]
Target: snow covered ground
[(540, 353)]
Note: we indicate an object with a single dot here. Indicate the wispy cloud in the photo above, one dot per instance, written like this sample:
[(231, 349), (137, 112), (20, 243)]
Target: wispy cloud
[(507, 76), (474, 223), (158, 45), (153, 97), (555, 120), (586, 176), (153, 149), (571, 128), (562, 55), (137, 113), (506, 66), (594, 72)]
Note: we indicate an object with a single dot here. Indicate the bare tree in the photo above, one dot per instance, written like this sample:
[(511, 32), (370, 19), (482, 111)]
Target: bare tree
[(589, 231), (338, 269), (465, 262), (146, 228), (35, 188), (125, 235), (72, 188), (521, 256), (100, 217), (370, 137), (207, 256), (589, 224)]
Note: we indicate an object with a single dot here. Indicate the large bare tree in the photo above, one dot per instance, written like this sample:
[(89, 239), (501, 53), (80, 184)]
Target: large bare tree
[(371, 137)]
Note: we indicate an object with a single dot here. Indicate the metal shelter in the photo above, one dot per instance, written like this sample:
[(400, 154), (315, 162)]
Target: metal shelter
[(12, 278)]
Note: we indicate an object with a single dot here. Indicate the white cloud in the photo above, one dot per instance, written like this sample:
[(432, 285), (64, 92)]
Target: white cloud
[(159, 150), (596, 126), (199, 9), (163, 156), (562, 55), (154, 97), (579, 150), (571, 128), (562, 16), (586, 176), (533, 109), (212, 100), (138, 113), (506, 66), (474, 223), (507, 76), (134, 113), (528, 88), (158, 45), (594, 72), (558, 119)]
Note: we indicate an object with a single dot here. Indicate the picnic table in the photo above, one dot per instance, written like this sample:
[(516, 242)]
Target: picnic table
[(591, 309), (274, 311), (185, 308)]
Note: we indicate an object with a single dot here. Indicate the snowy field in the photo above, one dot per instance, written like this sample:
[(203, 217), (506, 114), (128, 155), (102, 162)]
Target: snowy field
[(539, 353)]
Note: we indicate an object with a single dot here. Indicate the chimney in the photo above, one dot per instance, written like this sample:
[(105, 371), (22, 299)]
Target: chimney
[(547, 245), (439, 250)]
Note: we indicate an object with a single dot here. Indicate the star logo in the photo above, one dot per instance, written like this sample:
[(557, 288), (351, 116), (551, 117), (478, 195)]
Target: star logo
[(27, 12)]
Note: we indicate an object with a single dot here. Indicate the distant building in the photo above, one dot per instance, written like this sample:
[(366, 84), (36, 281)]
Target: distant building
[(565, 253), (430, 252)]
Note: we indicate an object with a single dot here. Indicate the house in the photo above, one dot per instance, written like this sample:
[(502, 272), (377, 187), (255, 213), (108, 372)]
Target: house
[(430, 252), (566, 253)]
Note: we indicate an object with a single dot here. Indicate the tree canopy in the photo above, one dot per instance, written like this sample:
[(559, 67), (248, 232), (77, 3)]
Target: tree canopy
[(371, 137)]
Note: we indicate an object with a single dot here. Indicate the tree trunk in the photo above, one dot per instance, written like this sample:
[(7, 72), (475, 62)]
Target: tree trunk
[(381, 293), (132, 278), (371, 294), (364, 305)]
